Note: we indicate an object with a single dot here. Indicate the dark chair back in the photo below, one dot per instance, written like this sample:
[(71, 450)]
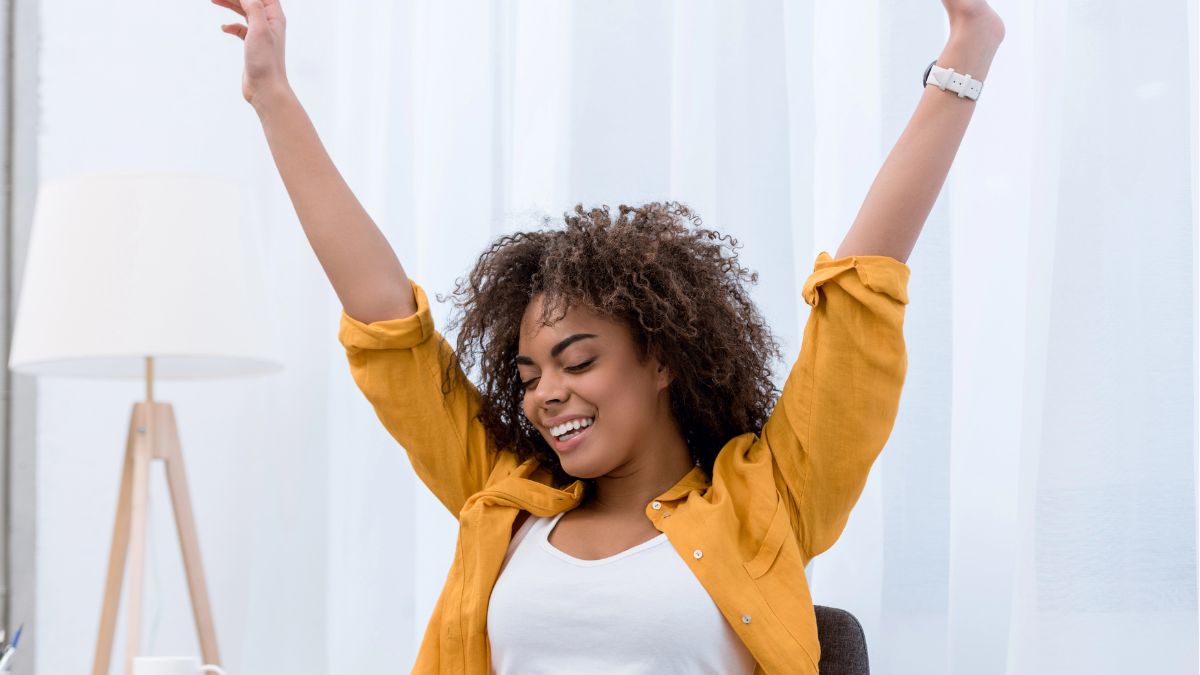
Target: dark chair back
[(843, 643)]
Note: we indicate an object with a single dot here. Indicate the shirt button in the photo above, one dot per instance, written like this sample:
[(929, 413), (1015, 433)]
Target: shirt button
[(656, 505), (745, 618), (697, 554)]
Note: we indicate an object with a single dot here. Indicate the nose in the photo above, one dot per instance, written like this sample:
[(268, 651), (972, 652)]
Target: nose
[(549, 390)]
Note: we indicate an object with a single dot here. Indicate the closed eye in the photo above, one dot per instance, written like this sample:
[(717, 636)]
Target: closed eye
[(574, 369), (581, 366)]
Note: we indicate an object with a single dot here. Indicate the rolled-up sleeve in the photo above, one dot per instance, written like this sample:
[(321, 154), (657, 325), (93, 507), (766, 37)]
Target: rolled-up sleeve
[(839, 403), (398, 364)]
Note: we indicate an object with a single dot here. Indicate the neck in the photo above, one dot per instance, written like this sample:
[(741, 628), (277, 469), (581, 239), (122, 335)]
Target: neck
[(629, 488)]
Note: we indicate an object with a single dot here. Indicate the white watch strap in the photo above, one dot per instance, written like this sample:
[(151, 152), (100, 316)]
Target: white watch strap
[(962, 84)]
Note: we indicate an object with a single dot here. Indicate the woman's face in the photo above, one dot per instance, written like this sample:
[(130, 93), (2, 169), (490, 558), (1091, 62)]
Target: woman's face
[(585, 368)]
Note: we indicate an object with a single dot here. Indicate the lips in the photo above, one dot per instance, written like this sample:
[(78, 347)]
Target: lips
[(566, 446)]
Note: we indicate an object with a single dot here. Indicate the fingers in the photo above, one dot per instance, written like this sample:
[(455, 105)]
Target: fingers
[(234, 29), (253, 9), (235, 5)]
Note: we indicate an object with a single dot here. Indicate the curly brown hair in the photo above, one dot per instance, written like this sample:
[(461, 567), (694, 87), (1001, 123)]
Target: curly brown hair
[(677, 286)]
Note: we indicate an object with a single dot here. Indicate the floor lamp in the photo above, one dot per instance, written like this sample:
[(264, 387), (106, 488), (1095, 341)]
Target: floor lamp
[(144, 276)]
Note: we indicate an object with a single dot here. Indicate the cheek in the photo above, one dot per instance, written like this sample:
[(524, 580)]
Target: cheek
[(529, 408), (603, 389), (626, 393)]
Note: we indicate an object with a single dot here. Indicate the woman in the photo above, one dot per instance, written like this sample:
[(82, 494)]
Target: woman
[(630, 495)]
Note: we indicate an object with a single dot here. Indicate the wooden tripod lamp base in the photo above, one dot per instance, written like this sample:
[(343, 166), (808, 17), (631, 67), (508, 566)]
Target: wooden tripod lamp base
[(122, 233), (152, 436)]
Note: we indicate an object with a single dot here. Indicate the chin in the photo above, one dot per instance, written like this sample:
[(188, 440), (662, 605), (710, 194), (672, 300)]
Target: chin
[(575, 469), (586, 462), (578, 469)]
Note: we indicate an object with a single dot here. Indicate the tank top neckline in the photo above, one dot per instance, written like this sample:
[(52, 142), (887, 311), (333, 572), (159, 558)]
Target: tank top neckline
[(543, 539)]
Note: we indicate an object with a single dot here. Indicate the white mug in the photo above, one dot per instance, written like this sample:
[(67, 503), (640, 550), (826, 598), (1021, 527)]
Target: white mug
[(171, 665)]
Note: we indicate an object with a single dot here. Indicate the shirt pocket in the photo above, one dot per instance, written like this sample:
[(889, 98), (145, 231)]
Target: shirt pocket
[(777, 532)]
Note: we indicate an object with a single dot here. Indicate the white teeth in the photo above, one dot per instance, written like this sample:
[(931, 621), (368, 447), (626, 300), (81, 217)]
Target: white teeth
[(570, 426)]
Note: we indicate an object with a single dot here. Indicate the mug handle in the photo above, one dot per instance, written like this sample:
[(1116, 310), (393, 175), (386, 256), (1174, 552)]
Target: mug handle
[(216, 669)]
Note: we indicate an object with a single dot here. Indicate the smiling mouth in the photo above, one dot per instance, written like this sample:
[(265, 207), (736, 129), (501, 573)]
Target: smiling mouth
[(572, 438), (572, 434), (561, 431)]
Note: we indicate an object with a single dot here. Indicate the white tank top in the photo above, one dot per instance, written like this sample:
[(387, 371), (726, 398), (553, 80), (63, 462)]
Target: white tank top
[(639, 611)]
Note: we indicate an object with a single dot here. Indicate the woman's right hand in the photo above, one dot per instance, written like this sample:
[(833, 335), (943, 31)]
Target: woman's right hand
[(264, 36)]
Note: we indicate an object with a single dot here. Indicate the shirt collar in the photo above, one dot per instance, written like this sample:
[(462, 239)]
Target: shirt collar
[(529, 488), (692, 480)]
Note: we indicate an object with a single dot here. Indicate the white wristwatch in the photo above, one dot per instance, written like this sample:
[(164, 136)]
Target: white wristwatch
[(945, 78)]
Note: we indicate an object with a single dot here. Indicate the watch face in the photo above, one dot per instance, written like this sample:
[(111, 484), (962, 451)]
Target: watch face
[(928, 70)]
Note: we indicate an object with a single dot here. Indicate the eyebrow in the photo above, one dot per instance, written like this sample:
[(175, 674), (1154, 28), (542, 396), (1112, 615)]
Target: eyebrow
[(556, 349)]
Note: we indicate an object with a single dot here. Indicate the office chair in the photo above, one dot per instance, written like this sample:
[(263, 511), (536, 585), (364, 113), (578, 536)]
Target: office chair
[(843, 643)]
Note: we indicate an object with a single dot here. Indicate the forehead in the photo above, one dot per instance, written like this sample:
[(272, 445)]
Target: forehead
[(538, 337)]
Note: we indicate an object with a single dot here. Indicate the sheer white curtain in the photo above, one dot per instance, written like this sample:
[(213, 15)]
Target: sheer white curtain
[(1035, 508)]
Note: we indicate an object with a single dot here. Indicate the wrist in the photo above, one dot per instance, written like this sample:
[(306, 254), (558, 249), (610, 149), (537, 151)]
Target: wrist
[(983, 27), (970, 52), (268, 98)]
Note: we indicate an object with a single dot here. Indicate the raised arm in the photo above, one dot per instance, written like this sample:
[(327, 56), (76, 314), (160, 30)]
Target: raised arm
[(361, 265), (908, 184), (839, 404), (397, 358)]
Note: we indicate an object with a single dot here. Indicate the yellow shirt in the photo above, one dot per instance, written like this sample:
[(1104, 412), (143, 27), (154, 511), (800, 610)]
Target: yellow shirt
[(776, 499)]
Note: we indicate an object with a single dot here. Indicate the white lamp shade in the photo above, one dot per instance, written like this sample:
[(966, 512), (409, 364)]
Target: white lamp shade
[(126, 266)]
